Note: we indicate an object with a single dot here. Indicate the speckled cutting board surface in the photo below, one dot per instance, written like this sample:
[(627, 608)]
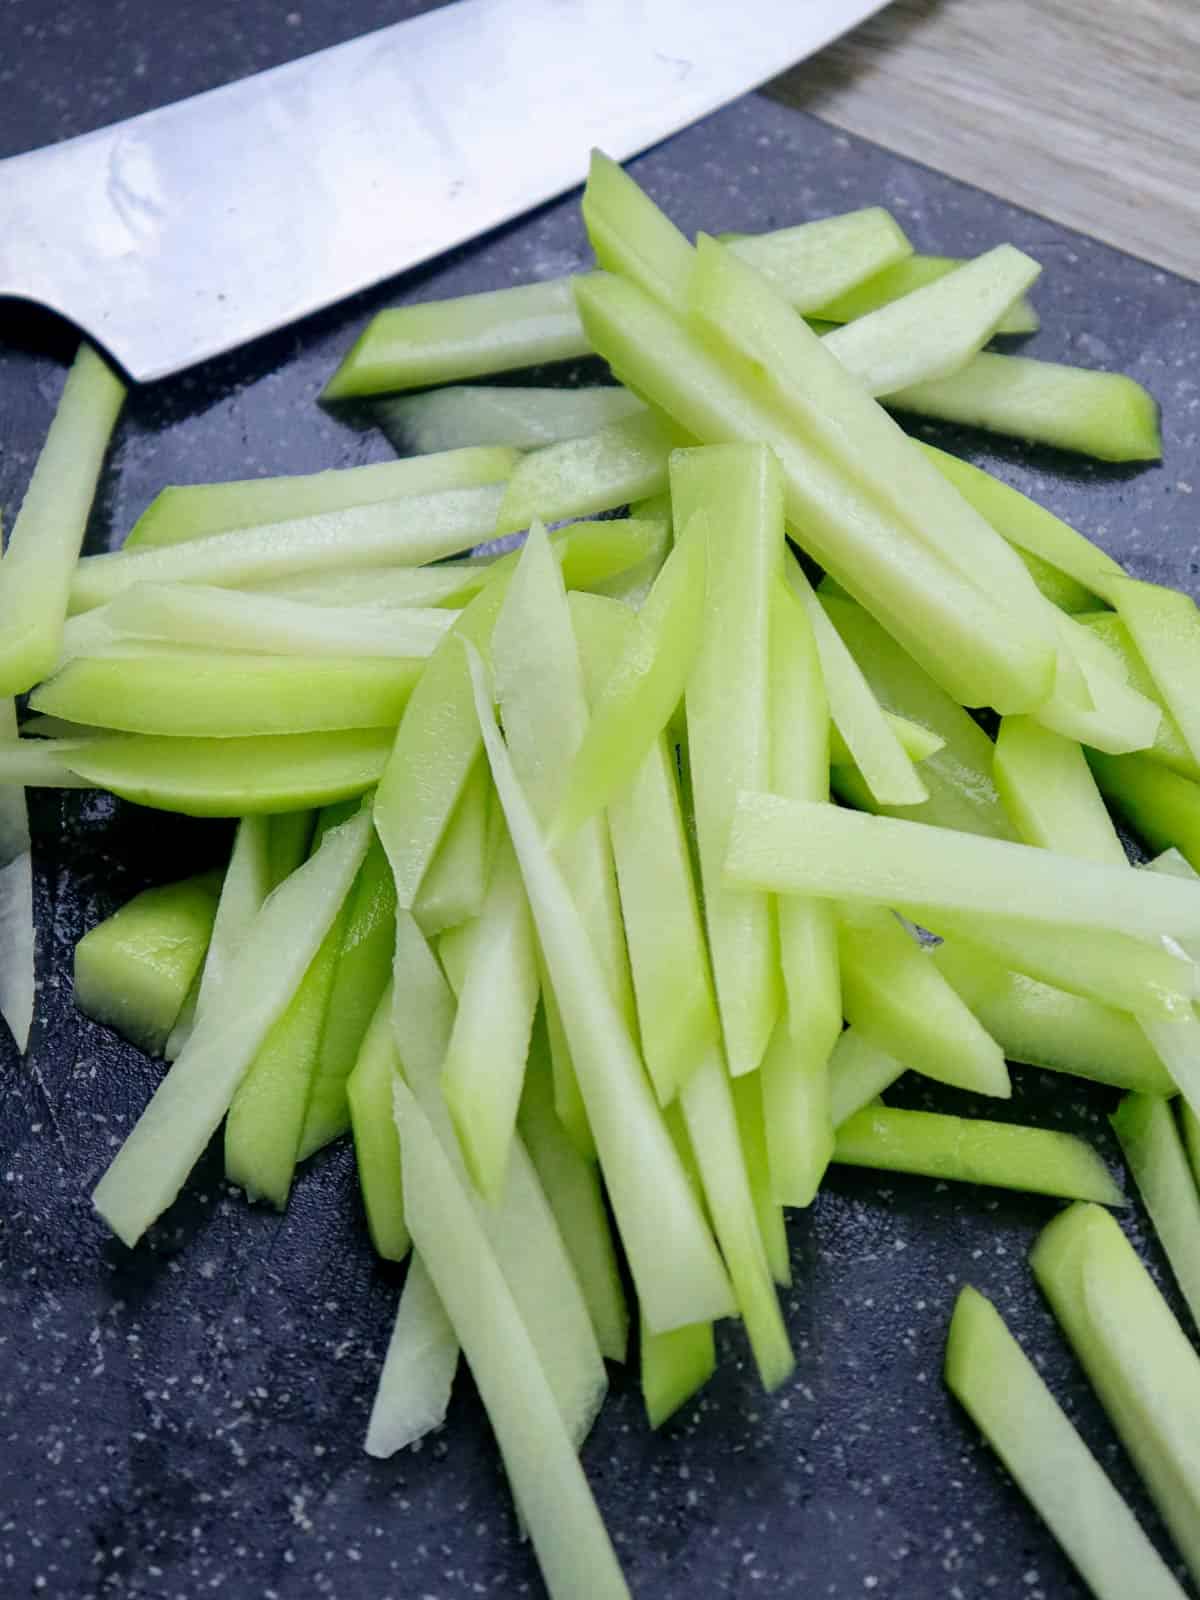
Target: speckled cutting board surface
[(186, 1419)]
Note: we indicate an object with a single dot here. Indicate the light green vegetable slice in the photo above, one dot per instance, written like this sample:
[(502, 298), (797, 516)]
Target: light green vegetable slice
[(486, 414), (1047, 790), (1101, 414), (817, 262), (902, 278), (364, 962), (1005, 1155), (1169, 747), (229, 619), (631, 236), (1004, 1394), (418, 1370), (674, 1367), (918, 743), (859, 1072), (1139, 1361), (453, 889), (1119, 719), (572, 1186), (737, 488), (548, 1485), (1061, 591), (404, 532), (34, 764), (675, 1264), (133, 971), (898, 1000), (1159, 805), (376, 1144), (192, 511), (1145, 1126), (644, 684), (772, 1225), (623, 462), (933, 331), (1165, 629), (485, 1060), (43, 545), (152, 1165), (791, 846)]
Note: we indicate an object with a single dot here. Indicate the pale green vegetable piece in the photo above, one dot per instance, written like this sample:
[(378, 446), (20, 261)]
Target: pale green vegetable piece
[(376, 1143), (1161, 807), (418, 1369), (191, 511), (1139, 1361), (232, 620), (792, 846), (935, 330), (625, 461), (200, 694), (1119, 719), (1047, 1027), (485, 1060), (918, 743), (43, 545), (153, 1163), (1047, 790), (675, 1264), (631, 236), (485, 414), (644, 684), (1102, 414), (902, 278), (898, 1000), (34, 764), (454, 952), (859, 1072), (728, 720), (133, 971), (452, 890), (1004, 1155), (1169, 747), (772, 1226), (816, 262), (1061, 591), (404, 532), (674, 1367), (676, 1007), (1145, 1126), (796, 1116), (551, 1493), (1005, 1395), (572, 1186), (1165, 629)]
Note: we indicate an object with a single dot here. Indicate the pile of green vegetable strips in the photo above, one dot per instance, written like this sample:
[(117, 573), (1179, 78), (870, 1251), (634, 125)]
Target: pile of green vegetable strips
[(538, 887)]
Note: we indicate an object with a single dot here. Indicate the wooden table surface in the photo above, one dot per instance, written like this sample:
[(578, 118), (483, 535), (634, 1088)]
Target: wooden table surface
[(1087, 111)]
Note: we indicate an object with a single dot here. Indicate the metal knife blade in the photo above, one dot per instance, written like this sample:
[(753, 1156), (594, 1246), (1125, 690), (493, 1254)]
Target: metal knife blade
[(192, 229)]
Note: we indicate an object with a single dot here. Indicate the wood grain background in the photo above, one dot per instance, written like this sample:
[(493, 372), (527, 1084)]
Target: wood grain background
[(1087, 111)]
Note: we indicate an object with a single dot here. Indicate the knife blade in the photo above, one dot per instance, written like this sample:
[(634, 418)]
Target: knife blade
[(192, 229)]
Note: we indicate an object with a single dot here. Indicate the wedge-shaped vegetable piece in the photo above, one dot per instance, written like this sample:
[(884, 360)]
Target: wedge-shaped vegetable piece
[(376, 1143), (152, 1165), (751, 1120), (1170, 747), (1144, 1371), (1165, 628), (1101, 414), (485, 1061), (644, 684), (520, 1229), (1002, 1391), (933, 331), (1026, 524), (871, 740), (422, 528), (229, 619), (674, 1367), (898, 1000), (485, 414), (829, 409), (1047, 790), (676, 1007), (1047, 1027), (902, 278), (1159, 805), (198, 694), (133, 971), (816, 262), (418, 1370), (43, 545), (191, 511), (453, 889), (728, 719), (859, 1072), (938, 615), (572, 1186), (972, 1150), (675, 1265), (794, 847), (364, 964), (625, 461), (573, 1550), (1151, 1144)]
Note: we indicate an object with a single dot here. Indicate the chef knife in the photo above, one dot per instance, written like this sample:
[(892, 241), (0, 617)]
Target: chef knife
[(192, 229)]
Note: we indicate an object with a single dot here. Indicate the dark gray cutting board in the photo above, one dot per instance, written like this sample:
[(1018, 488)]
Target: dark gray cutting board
[(186, 1419)]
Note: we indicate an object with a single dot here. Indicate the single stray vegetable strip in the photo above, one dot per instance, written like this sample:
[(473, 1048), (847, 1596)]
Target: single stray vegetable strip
[(1145, 1125), (1006, 1397), (418, 1370)]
